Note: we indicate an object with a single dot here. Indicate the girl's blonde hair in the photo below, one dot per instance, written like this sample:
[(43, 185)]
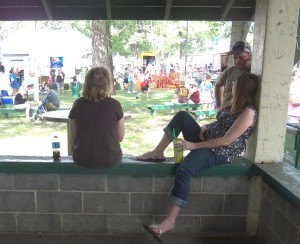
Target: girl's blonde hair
[(97, 84)]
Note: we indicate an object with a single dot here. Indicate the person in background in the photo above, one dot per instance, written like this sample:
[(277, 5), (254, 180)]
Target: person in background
[(21, 101), (2, 68), (18, 76), (97, 122), (14, 84), (145, 86), (210, 145), (181, 93), (52, 79), (60, 78), (50, 102), (194, 94), (130, 82), (125, 79), (206, 93), (294, 97), (242, 55)]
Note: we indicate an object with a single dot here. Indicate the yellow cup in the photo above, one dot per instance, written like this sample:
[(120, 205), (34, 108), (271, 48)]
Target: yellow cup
[(178, 150)]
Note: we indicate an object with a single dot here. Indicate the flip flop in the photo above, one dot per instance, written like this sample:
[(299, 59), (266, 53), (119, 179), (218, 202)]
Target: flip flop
[(151, 159), (151, 231)]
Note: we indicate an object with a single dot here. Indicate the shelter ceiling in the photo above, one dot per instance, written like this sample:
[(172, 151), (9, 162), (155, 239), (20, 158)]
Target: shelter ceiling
[(214, 10)]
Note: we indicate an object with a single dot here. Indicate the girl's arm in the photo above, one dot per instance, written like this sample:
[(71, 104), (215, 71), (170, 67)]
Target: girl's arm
[(73, 128), (121, 129), (241, 124)]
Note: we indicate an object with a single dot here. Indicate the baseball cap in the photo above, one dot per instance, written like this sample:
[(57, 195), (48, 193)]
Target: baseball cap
[(240, 47)]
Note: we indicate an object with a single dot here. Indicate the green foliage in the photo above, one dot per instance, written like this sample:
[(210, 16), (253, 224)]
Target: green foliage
[(53, 25), (7, 27), (84, 26), (129, 38)]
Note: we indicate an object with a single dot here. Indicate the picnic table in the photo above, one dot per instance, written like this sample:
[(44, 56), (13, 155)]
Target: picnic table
[(205, 114), (179, 106)]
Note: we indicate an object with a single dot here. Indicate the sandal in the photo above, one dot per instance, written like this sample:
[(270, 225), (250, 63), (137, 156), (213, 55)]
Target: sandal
[(150, 229)]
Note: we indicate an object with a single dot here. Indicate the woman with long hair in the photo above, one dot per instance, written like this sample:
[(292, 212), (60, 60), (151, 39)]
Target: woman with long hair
[(213, 144), (97, 122)]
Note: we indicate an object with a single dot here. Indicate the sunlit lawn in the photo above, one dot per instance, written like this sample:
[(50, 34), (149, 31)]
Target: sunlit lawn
[(143, 130)]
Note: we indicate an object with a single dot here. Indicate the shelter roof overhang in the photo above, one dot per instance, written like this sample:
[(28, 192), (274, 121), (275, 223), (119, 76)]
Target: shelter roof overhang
[(210, 10)]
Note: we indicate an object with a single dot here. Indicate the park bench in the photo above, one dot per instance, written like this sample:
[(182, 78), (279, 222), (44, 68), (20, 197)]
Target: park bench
[(205, 114), (186, 106)]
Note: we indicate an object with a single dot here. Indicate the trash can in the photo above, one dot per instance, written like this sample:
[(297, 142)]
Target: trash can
[(292, 145), (75, 87)]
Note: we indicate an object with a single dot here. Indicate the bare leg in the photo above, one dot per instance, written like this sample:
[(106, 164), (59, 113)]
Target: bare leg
[(158, 151), (169, 222)]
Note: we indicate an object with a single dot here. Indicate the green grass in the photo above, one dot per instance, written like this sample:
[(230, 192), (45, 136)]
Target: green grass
[(142, 130)]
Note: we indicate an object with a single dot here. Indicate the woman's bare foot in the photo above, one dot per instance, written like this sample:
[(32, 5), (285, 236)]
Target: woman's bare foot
[(163, 227), (151, 155)]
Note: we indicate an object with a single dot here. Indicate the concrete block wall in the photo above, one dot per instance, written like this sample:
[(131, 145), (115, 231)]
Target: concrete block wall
[(116, 205), (279, 221)]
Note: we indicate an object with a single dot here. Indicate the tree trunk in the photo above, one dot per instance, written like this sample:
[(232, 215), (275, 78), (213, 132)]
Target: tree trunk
[(101, 44), (239, 32)]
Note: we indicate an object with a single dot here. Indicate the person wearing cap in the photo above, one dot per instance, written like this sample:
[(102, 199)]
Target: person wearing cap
[(242, 54)]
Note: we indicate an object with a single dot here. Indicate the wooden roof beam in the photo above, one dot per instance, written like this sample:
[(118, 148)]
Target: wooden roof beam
[(225, 9), (168, 9), (48, 9)]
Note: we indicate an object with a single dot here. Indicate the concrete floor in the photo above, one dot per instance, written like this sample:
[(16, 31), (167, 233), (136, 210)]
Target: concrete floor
[(137, 239)]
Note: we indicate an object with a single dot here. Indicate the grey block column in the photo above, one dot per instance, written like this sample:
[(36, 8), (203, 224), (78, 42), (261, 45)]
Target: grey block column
[(273, 56)]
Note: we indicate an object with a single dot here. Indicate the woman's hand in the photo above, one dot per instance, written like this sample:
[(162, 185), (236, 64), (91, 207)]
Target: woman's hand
[(203, 129), (189, 145)]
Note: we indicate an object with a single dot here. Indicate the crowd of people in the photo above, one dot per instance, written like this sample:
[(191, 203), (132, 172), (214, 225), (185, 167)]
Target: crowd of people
[(20, 92), (192, 87)]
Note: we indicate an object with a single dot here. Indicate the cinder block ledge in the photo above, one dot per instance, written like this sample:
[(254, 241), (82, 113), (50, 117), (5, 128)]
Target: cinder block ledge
[(25, 164), (282, 178)]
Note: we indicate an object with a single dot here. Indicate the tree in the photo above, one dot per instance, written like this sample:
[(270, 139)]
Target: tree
[(239, 31), (101, 44)]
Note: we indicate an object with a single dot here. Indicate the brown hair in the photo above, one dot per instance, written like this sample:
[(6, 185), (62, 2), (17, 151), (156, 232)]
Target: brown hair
[(245, 91), (97, 84)]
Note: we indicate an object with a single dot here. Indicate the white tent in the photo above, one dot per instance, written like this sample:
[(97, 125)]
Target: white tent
[(36, 47)]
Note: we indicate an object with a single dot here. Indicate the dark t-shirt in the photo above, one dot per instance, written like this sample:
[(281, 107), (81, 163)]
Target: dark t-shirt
[(96, 144)]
